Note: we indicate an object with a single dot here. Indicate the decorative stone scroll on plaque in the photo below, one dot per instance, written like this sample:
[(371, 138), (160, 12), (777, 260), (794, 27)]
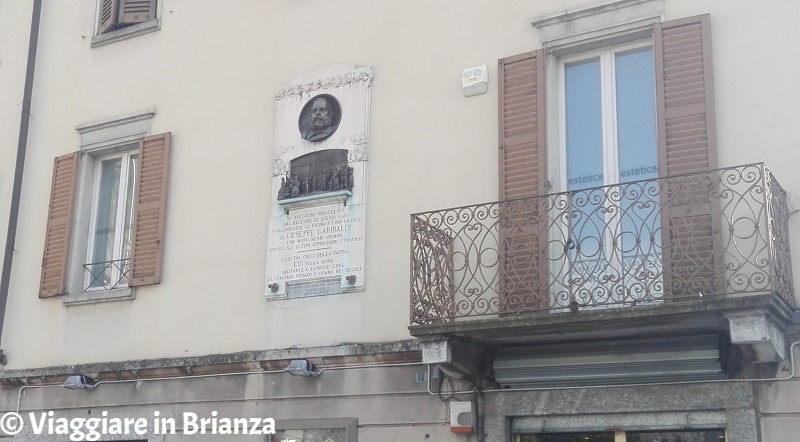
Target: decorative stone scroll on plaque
[(317, 231)]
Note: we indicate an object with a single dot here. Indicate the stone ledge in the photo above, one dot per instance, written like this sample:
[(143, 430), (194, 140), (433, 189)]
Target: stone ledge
[(758, 329), (302, 202), (689, 316), (126, 33), (248, 361), (95, 297)]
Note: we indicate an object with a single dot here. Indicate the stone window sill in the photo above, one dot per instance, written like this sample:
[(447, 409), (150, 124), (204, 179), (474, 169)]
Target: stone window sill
[(125, 33), (122, 294)]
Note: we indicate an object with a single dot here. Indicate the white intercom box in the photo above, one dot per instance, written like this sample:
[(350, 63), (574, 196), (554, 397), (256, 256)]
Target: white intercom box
[(475, 80)]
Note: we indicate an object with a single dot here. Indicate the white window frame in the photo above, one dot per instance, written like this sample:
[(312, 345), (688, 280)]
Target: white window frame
[(584, 30), (608, 113), (557, 158), (119, 247), (99, 139)]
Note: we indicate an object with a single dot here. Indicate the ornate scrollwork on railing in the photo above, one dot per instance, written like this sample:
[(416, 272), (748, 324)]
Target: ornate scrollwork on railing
[(708, 234), (431, 250), (780, 256)]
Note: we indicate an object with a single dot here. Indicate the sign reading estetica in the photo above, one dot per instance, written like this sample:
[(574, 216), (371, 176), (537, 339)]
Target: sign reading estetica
[(318, 242)]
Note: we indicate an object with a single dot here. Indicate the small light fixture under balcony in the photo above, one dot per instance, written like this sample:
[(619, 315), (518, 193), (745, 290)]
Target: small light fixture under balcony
[(301, 367), (79, 382)]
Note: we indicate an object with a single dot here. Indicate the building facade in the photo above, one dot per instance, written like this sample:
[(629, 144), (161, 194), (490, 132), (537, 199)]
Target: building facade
[(529, 221)]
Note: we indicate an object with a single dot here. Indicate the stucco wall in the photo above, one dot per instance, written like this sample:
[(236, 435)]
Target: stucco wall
[(386, 401), (14, 32), (212, 70)]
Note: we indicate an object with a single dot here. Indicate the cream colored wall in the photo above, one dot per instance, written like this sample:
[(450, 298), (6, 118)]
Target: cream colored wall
[(211, 72), (757, 93), (14, 33), (756, 87)]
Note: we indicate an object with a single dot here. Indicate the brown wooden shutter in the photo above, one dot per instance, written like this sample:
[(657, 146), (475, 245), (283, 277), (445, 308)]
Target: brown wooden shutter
[(150, 199), (522, 123), (523, 174), (132, 12), (687, 145), (55, 263), (107, 16)]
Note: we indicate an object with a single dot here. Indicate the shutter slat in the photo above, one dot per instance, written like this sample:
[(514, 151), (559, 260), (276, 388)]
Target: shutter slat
[(687, 83), (150, 199), (687, 144), (55, 258), (519, 126), (136, 11)]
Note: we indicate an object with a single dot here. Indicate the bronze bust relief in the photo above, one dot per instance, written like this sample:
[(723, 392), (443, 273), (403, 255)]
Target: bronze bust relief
[(319, 118)]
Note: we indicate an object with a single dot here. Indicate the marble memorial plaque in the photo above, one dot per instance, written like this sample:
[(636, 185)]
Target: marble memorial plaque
[(324, 241), (319, 287), (316, 241)]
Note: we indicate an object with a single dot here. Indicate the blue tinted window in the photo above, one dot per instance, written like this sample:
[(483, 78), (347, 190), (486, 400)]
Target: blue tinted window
[(584, 125), (636, 115)]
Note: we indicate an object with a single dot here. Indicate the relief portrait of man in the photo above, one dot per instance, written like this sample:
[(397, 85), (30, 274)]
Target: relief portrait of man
[(319, 118)]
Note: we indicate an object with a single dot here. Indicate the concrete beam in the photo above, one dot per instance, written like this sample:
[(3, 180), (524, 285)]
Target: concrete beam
[(459, 359), (760, 331)]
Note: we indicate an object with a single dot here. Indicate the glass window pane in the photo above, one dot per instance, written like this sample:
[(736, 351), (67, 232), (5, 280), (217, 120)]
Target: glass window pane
[(571, 437), (105, 222), (640, 240), (677, 436), (133, 166), (636, 115), (584, 141), (319, 435), (584, 119)]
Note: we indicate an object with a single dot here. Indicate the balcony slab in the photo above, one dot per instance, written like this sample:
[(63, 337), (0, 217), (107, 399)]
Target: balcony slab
[(721, 315)]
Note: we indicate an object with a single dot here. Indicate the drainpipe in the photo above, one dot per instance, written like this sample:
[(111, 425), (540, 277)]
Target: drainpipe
[(22, 145)]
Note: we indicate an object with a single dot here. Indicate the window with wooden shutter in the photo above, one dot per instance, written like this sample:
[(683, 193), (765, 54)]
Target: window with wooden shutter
[(150, 201), (679, 136), (132, 12), (687, 144), (117, 14), (123, 239), (523, 226), (107, 16), (109, 242), (59, 226)]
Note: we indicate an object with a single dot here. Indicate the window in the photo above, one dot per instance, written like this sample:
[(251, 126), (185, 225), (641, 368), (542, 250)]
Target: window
[(322, 430), (605, 108), (609, 117), (121, 19), (608, 135), (118, 14), (109, 248), (105, 225), (628, 436), (322, 435)]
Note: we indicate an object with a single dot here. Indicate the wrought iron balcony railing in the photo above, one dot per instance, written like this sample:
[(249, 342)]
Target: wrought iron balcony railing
[(107, 275), (721, 232)]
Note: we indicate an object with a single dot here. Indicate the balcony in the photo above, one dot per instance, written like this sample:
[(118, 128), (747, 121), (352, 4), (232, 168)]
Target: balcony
[(686, 252)]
